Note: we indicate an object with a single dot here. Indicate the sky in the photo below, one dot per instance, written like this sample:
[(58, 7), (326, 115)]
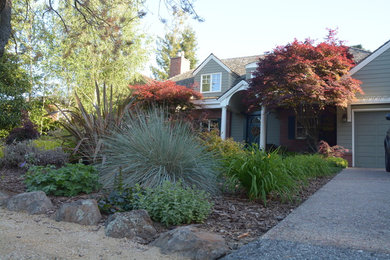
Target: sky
[(251, 27)]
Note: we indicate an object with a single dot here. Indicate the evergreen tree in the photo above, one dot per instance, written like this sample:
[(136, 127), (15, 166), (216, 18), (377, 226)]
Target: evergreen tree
[(180, 37)]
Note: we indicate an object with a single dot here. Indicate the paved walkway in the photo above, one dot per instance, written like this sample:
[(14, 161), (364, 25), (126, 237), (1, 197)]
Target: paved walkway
[(348, 218)]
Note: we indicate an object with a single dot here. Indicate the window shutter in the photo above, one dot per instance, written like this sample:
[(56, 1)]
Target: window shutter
[(291, 127)]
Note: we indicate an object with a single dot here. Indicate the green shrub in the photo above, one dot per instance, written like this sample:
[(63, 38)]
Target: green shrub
[(262, 173), (150, 150), (172, 204), (69, 180), (117, 201), (338, 162)]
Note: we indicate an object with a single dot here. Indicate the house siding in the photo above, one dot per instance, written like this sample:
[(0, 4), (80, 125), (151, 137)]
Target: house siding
[(344, 129), (273, 129), (213, 67), (375, 76), (238, 127)]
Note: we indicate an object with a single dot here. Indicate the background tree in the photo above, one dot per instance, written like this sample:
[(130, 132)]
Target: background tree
[(306, 78), (179, 37), (90, 12), (14, 84)]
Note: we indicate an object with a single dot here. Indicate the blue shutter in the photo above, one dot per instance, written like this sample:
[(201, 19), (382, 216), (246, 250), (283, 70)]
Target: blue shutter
[(291, 127)]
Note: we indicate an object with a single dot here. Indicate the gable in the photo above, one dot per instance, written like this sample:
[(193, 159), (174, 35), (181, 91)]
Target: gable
[(375, 75)]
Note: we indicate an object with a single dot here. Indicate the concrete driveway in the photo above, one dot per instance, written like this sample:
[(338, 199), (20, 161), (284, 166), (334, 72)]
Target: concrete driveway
[(348, 218)]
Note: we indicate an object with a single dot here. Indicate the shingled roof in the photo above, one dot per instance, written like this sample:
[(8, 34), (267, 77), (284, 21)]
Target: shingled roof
[(237, 65)]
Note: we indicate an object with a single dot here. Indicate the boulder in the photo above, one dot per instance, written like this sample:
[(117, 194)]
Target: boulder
[(3, 199), (192, 242), (83, 212), (135, 224), (35, 202)]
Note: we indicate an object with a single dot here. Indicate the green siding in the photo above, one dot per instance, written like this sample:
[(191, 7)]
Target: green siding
[(273, 129), (375, 76), (238, 126), (213, 67)]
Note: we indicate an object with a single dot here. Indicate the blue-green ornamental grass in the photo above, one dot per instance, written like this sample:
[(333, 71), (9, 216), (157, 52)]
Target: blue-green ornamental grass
[(150, 149), (70, 180)]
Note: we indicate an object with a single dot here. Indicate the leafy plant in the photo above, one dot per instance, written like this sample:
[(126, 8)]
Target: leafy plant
[(88, 128), (338, 162), (69, 180), (150, 150), (27, 132), (326, 150), (172, 204), (261, 173)]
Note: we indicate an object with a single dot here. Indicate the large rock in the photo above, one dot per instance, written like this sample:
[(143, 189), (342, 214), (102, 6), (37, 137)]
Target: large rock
[(192, 242), (35, 202), (135, 224), (83, 212), (3, 199)]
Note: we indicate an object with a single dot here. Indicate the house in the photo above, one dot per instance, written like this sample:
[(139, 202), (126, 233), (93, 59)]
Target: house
[(360, 128)]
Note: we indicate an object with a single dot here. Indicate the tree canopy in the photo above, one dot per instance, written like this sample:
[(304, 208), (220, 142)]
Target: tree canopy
[(305, 77), (179, 37)]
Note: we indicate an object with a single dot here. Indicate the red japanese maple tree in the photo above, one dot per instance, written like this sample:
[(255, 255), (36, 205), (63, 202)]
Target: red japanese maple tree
[(306, 78), (165, 93)]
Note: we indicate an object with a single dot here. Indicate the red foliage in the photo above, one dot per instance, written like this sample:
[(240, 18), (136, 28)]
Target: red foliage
[(325, 149), (302, 73), (165, 93)]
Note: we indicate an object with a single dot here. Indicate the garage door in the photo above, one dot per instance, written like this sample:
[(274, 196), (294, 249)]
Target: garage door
[(370, 131)]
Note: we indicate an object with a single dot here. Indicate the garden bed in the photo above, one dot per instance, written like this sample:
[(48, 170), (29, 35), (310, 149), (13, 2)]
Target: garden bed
[(236, 218)]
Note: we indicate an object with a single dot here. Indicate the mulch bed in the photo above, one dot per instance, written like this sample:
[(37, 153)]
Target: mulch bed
[(236, 218)]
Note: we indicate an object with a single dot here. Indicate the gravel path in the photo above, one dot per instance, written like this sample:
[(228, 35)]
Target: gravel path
[(348, 218), (24, 236)]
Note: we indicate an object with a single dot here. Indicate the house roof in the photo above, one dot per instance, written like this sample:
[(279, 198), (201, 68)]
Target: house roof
[(371, 57), (237, 65)]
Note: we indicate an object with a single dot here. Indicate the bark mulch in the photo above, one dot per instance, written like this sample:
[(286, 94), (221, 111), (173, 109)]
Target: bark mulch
[(235, 217)]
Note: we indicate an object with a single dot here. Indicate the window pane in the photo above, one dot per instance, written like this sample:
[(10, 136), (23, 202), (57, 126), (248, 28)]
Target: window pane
[(205, 83), (216, 83)]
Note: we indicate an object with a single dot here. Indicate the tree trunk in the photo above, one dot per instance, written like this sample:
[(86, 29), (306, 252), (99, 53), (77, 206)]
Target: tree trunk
[(5, 23)]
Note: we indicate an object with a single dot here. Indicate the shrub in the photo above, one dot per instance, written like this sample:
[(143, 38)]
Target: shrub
[(151, 150), (224, 149), (47, 142), (27, 132), (326, 150), (69, 180), (22, 153), (262, 173), (172, 204), (14, 155), (117, 201), (338, 162), (88, 128)]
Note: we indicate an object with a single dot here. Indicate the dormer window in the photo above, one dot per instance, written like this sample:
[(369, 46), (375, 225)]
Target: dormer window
[(210, 83)]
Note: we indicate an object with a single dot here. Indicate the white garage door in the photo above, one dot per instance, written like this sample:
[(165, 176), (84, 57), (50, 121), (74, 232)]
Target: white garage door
[(370, 131)]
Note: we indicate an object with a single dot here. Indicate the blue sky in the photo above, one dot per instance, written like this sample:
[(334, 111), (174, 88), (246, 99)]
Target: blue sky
[(251, 27)]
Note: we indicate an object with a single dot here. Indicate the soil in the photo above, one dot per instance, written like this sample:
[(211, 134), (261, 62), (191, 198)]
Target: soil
[(236, 218)]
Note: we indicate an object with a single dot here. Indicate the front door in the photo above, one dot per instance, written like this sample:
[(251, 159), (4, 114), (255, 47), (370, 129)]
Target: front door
[(253, 129)]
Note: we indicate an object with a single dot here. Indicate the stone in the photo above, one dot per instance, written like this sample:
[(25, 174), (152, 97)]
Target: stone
[(35, 202), (3, 199), (135, 224), (83, 212), (191, 242)]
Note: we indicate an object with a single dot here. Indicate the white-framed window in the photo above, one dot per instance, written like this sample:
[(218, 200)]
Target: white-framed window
[(300, 130), (210, 124), (210, 82)]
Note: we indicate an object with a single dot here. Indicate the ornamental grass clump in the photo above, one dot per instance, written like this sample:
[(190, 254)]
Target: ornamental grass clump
[(151, 149)]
